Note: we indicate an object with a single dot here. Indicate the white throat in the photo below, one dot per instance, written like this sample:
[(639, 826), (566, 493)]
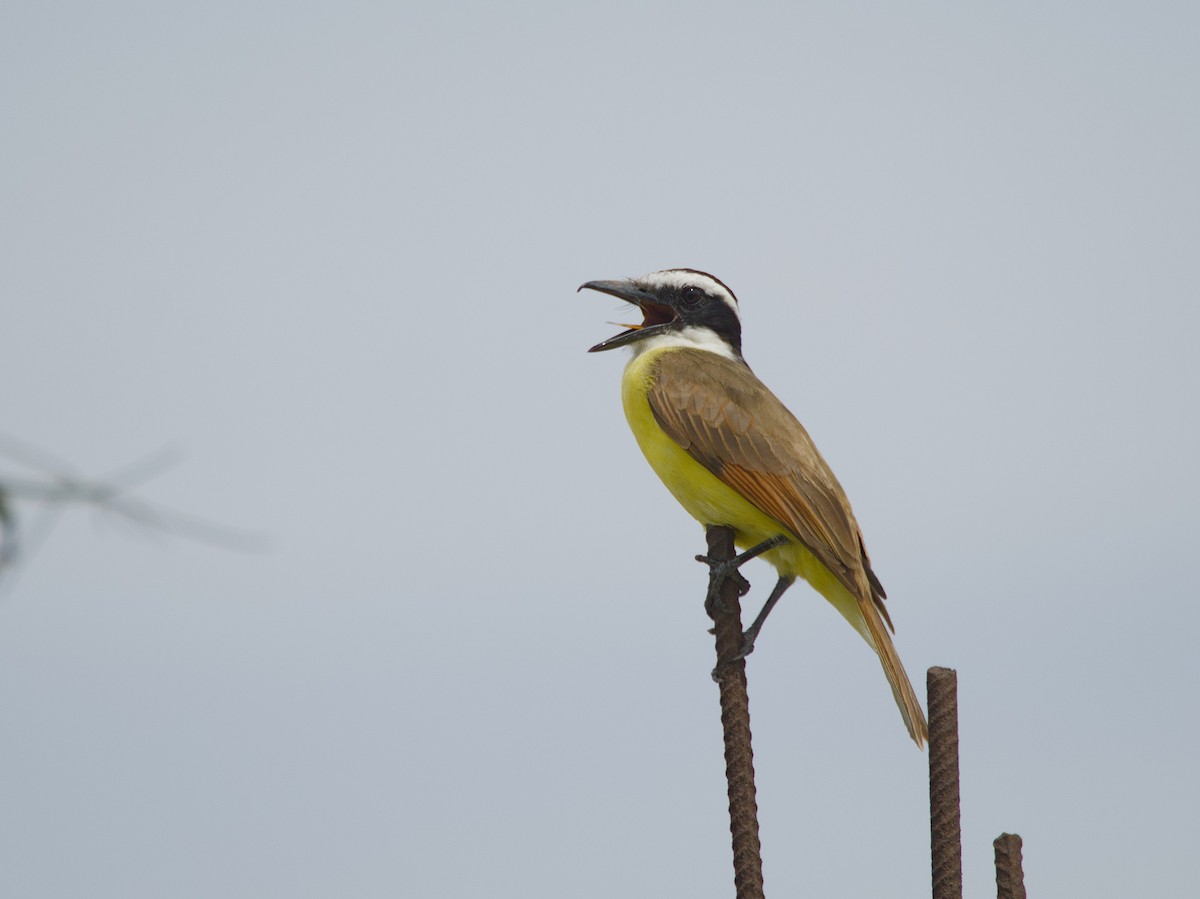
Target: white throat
[(694, 338)]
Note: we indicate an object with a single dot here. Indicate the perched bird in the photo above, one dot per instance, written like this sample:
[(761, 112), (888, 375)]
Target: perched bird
[(733, 455)]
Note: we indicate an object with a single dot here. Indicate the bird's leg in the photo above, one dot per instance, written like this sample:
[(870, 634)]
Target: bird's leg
[(751, 633), (719, 572)]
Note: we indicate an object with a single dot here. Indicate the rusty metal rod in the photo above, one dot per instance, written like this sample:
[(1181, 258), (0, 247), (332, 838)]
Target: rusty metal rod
[(1010, 879), (730, 674), (944, 800)]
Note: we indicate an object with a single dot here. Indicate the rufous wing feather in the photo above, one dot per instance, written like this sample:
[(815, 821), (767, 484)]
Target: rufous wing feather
[(727, 420)]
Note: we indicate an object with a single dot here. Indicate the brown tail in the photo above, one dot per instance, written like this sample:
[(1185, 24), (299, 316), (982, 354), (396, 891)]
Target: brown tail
[(902, 688)]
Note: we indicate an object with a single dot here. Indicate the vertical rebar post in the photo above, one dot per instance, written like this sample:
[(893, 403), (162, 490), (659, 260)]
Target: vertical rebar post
[(730, 674), (1010, 878), (944, 800)]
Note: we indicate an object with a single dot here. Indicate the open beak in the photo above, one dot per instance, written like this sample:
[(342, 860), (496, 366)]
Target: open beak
[(657, 316)]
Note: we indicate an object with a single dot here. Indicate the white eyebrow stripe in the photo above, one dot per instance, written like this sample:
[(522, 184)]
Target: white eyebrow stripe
[(677, 278)]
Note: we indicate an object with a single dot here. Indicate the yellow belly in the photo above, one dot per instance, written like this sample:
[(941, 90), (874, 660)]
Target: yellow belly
[(711, 502)]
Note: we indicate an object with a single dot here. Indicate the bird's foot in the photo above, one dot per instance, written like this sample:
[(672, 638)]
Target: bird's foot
[(718, 573), (749, 636), (727, 569)]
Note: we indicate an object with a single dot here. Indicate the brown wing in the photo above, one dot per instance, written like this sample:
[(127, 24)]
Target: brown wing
[(730, 423)]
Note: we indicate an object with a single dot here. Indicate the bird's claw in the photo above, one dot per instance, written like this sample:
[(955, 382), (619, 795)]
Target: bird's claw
[(719, 573), (748, 638)]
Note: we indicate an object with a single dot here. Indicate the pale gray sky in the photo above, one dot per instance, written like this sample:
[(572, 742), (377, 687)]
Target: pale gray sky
[(331, 250)]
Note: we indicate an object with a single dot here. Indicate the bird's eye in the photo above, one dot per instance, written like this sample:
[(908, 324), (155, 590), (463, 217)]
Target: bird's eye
[(691, 296)]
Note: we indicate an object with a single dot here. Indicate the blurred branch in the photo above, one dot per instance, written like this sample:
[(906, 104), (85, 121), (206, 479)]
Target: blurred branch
[(62, 487)]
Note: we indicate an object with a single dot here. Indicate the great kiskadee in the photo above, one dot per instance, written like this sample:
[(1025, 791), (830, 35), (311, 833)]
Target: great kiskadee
[(733, 455)]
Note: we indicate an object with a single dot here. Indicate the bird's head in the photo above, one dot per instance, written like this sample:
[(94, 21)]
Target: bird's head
[(680, 307)]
